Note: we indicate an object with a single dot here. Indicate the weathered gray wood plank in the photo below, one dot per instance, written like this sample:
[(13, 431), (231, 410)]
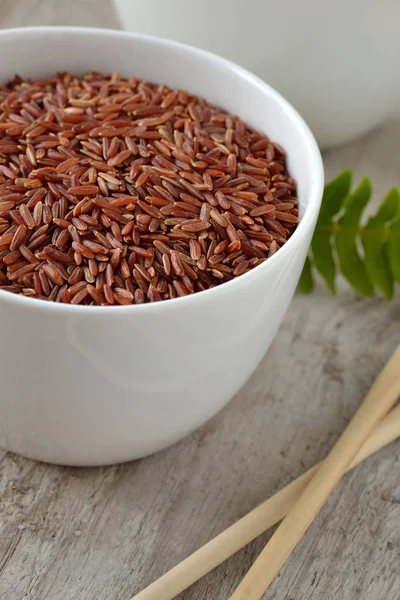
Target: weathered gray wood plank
[(102, 534)]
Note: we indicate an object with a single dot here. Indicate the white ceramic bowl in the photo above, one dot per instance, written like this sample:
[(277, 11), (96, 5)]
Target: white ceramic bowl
[(337, 62), (100, 385)]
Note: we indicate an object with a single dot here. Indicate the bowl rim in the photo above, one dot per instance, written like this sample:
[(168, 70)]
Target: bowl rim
[(312, 209)]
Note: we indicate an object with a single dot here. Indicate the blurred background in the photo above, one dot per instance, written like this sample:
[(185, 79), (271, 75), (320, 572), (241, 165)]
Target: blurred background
[(373, 154), (85, 13), (339, 73)]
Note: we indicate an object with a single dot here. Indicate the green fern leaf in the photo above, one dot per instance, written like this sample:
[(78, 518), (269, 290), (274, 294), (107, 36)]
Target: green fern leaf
[(374, 238), (334, 194), (306, 281), (393, 247), (368, 256), (351, 264)]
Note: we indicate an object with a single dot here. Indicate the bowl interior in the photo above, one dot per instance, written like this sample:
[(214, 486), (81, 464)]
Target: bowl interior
[(41, 52)]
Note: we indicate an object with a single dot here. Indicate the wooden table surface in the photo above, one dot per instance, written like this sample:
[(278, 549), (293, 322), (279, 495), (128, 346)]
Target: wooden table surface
[(102, 534)]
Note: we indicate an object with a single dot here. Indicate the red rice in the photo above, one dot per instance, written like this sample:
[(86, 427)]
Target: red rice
[(117, 191)]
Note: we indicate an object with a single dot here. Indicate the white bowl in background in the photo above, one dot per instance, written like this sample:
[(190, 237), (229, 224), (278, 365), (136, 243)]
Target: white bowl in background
[(337, 62), (99, 385)]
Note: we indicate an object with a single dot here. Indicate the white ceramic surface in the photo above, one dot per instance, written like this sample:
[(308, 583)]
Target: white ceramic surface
[(97, 385), (337, 62)]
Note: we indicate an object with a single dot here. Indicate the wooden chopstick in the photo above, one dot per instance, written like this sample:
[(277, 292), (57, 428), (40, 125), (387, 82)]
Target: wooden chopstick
[(381, 397), (256, 522)]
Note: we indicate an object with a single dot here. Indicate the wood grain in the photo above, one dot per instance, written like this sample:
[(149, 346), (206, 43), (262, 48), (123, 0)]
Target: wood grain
[(104, 534), (382, 396)]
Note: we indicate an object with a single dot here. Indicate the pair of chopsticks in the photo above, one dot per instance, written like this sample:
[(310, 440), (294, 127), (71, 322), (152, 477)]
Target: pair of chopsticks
[(299, 502)]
